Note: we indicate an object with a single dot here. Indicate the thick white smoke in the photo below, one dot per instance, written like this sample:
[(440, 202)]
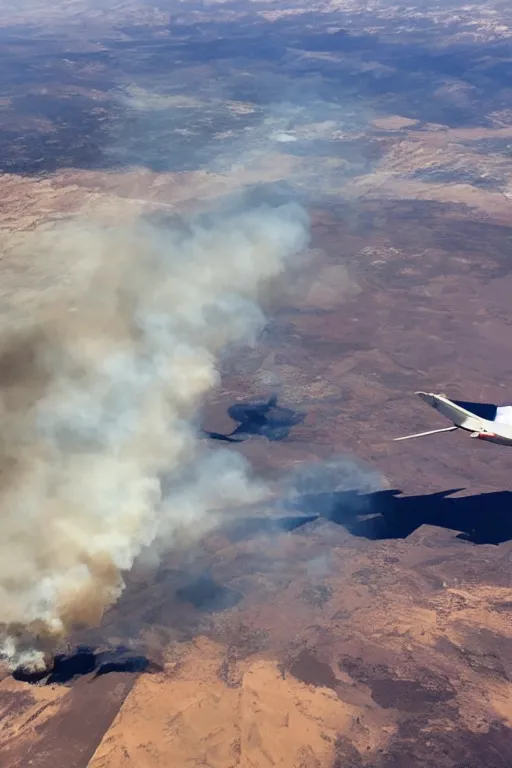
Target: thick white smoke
[(99, 394)]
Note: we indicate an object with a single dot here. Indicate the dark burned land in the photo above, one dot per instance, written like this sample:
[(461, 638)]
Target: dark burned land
[(396, 601)]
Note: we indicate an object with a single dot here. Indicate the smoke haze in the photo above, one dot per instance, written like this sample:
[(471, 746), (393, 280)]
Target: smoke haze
[(99, 395), (316, 487)]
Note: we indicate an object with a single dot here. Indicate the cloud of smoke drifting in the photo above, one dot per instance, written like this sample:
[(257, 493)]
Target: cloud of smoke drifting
[(318, 487), (337, 474), (99, 452)]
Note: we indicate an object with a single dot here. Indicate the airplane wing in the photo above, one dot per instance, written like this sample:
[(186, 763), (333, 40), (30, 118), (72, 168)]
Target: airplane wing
[(424, 434), (460, 412), (485, 421)]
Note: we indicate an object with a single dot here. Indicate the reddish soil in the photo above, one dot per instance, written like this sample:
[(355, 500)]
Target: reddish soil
[(379, 634)]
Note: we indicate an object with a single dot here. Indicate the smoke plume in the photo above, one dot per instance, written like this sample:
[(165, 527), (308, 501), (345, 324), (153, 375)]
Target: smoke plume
[(99, 395)]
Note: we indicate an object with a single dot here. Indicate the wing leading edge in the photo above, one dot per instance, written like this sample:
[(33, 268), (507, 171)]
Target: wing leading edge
[(424, 434)]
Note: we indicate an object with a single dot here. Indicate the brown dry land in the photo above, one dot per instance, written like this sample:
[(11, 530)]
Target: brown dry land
[(376, 632), (376, 639)]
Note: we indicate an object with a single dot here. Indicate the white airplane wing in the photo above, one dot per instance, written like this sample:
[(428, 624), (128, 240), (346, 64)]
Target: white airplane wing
[(423, 434), (485, 421), (462, 413)]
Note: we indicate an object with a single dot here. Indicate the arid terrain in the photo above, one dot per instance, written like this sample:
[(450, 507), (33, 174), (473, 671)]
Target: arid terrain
[(363, 620)]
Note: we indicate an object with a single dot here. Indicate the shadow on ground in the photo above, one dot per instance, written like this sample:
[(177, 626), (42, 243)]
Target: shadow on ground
[(84, 660), (484, 518), (266, 419)]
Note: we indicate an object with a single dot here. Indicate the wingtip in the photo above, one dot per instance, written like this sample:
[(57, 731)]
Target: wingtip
[(430, 394)]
